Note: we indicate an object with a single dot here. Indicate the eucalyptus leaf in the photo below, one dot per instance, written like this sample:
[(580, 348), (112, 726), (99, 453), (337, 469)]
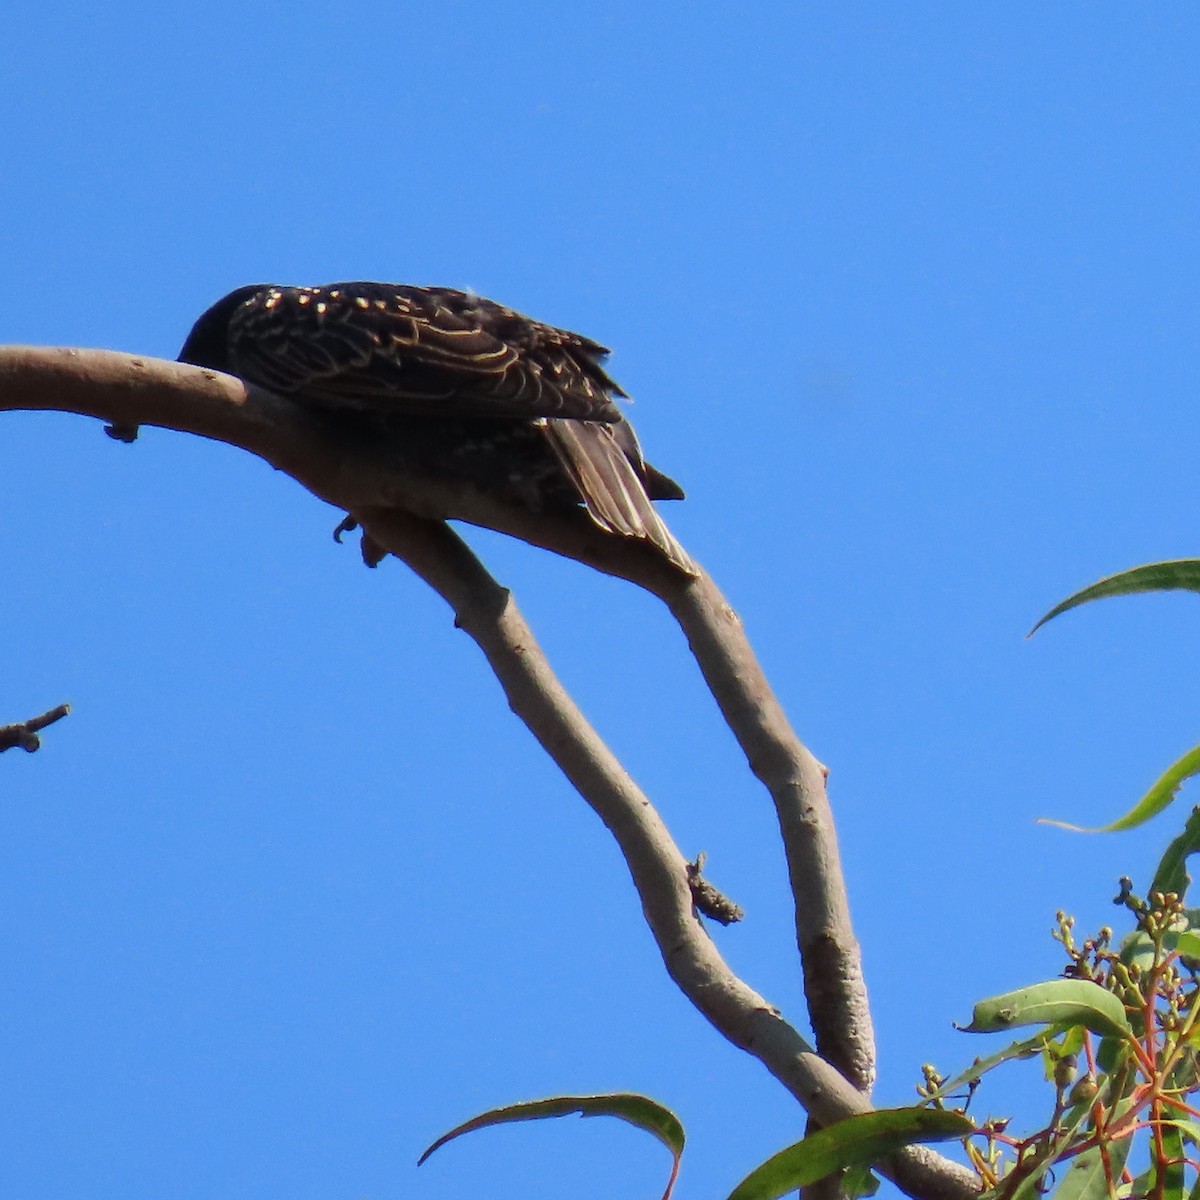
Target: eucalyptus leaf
[(1180, 574), (1060, 1002), (1085, 1177), (1162, 792), (866, 1138), (641, 1111), (1028, 1048)]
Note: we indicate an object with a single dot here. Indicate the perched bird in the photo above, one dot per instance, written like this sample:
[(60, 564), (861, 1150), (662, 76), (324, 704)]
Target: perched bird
[(467, 389)]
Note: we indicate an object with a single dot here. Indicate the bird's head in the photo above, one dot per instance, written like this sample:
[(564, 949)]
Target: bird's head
[(208, 343)]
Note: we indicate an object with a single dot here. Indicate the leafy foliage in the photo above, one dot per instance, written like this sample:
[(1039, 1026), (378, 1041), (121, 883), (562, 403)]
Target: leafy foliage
[(1131, 1013), (1139, 1067)]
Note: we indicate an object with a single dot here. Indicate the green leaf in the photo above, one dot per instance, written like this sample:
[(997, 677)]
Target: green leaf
[(1137, 950), (1189, 1128), (1190, 1131), (1112, 1054), (859, 1180), (1161, 793), (1029, 1048), (1178, 574), (1060, 1002), (1084, 1177), (637, 1110), (1141, 1184), (1172, 875), (865, 1138), (1185, 1073)]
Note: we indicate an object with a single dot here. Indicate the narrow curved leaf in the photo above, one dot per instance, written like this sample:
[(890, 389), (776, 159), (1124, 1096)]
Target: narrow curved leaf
[(1161, 793), (862, 1139), (1180, 574), (1061, 1002), (641, 1111), (1029, 1048), (1184, 1074)]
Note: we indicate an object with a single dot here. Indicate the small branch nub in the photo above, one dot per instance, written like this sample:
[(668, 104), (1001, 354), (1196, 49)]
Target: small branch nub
[(708, 901)]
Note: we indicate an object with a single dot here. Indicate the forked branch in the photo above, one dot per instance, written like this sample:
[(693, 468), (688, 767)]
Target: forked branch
[(405, 515)]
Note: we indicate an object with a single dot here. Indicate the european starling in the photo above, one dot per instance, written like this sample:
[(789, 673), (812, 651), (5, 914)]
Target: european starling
[(467, 390)]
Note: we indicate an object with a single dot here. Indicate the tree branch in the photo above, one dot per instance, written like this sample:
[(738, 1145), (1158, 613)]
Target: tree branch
[(25, 733), (660, 872), (359, 476), (354, 473), (833, 979)]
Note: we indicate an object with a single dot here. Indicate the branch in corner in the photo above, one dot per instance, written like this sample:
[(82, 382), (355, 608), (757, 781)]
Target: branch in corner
[(25, 733)]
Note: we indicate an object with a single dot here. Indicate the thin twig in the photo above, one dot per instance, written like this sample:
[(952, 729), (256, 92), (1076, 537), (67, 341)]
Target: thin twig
[(25, 733)]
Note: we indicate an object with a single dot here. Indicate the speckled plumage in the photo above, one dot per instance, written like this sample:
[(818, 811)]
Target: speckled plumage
[(470, 389)]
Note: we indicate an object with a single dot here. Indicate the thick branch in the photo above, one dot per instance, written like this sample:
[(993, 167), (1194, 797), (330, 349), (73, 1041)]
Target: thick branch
[(833, 980)]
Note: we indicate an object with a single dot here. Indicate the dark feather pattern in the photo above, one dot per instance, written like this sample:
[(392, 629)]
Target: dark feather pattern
[(472, 390)]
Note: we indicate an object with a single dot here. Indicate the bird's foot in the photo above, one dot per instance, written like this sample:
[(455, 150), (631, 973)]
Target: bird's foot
[(372, 552)]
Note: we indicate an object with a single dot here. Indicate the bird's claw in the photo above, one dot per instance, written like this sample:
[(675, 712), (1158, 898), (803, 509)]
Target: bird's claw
[(372, 552)]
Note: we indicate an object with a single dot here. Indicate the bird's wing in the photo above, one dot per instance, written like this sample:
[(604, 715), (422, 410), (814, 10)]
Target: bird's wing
[(613, 494), (417, 351)]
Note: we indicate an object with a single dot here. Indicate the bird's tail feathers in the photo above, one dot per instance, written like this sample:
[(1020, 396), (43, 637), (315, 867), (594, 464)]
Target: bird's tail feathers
[(614, 495)]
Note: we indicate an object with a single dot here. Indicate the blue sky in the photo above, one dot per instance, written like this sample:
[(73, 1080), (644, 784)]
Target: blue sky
[(907, 299)]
